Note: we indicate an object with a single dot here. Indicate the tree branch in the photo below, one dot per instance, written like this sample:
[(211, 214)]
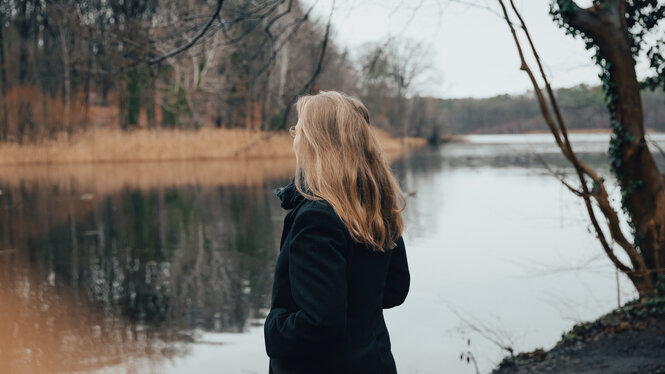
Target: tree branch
[(298, 23), (581, 169), (599, 193), (280, 15), (583, 19), (317, 71), (198, 36)]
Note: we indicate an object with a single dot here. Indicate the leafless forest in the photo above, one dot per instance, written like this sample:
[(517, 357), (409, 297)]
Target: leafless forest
[(70, 65)]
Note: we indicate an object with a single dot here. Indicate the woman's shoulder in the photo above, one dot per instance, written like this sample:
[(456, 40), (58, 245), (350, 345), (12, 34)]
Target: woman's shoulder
[(315, 220), (318, 212), (317, 208)]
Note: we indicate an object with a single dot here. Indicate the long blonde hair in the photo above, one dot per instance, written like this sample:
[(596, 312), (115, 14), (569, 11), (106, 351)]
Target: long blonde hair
[(340, 160)]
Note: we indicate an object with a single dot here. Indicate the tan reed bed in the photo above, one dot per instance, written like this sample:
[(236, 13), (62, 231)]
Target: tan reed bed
[(163, 145), (106, 161), (92, 180), (148, 145)]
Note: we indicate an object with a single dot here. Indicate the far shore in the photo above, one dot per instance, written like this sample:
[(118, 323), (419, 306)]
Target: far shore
[(106, 145), (583, 131)]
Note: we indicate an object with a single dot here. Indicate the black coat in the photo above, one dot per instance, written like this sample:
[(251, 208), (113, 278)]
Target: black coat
[(329, 294)]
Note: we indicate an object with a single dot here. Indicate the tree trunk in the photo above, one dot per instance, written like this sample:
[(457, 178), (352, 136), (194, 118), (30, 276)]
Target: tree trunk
[(641, 182), (66, 98), (642, 185), (4, 132), (88, 76), (152, 105)]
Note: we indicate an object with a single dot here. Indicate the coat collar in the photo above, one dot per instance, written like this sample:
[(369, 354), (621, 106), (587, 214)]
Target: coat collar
[(289, 196)]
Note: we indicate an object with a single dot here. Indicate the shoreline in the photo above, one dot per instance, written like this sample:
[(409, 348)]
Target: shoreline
[(628, 339), (580, 131)]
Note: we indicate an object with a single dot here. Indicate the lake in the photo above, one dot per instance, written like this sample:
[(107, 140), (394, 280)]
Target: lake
[(167, 268)]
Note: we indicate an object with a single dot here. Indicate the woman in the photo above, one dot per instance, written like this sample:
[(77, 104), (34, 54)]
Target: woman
[(342, 259)]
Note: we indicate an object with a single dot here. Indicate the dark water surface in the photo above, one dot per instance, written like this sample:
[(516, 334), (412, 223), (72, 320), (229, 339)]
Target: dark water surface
[(121, 268), (89, 280)]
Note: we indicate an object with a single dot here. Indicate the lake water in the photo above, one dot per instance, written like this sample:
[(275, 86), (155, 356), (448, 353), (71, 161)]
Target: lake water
[(167, 268)]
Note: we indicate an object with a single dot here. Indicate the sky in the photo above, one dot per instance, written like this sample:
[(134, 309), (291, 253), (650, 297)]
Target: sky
[(472, 49)]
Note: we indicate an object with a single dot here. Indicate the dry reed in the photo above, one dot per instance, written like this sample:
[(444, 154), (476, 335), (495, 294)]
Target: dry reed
[(106, 161), (106, 178), (163, 145)]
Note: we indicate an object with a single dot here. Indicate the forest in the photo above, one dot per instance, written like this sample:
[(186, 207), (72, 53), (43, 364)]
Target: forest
[(70, 65), (582, 106)]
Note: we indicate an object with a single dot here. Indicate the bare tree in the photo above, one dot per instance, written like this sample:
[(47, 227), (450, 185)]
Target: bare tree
[(396, 65), (606, 26)]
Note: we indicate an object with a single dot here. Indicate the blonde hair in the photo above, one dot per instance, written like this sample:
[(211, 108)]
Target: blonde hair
[(341, 161)]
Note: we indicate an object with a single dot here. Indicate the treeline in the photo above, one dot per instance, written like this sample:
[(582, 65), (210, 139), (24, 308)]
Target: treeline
[(68, 65), (582, 106)]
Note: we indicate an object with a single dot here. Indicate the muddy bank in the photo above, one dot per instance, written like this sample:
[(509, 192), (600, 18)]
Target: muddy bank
[(628, 340)]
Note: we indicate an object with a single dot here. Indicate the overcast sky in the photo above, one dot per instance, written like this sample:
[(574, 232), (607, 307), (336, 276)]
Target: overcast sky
[(472, 48)]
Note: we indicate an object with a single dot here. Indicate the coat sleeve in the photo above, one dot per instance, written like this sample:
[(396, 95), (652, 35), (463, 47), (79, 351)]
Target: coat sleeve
[(317, 275), (398, 279)]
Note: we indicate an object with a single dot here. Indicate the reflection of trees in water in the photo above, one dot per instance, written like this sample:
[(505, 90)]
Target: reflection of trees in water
[(526, 155), (166, 259), (430, 161), (417, 171), (419, 166), (527, 159), (414, 171), (43, 329)]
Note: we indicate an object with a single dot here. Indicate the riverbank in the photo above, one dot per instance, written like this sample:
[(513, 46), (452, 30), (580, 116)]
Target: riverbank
[(630, 339), (105, 145)]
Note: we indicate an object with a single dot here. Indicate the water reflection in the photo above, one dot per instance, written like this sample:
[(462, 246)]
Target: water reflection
[(90, 280), (535, 150), (158, 267)]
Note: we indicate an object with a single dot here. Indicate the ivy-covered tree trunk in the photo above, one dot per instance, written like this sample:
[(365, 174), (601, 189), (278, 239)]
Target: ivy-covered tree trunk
[(605, 26)]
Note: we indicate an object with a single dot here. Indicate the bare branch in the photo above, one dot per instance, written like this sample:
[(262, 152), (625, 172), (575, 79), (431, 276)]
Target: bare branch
[(277, 17), (599, 193), (557, 176), (317, 71), (198, 36), (247, 17), (567, 150), (298, 23), (501, 339)]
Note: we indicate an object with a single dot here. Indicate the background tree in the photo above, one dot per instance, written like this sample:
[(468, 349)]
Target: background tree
[(393, 71)]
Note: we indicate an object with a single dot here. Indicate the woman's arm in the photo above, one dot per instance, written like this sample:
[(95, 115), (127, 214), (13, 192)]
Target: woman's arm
[(399, 279), (317, 274)]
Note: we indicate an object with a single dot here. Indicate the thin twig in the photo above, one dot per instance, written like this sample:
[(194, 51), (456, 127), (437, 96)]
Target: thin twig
[(660, 150)]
